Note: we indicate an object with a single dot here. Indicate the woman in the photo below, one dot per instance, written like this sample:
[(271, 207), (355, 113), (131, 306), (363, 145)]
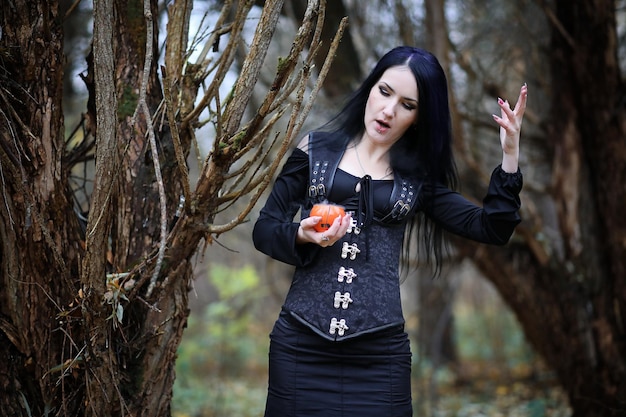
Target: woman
[(339, 345)]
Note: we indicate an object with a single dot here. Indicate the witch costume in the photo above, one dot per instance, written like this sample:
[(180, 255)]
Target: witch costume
[(339, 347)]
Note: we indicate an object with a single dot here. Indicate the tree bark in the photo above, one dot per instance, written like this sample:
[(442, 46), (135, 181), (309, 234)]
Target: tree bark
[(595, 377), (39, 231), (91, 317), (569, 293), (132, 361), (93, 273)]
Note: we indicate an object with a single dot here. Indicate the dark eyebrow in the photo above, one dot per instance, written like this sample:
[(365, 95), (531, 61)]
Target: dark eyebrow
[(406, 98)]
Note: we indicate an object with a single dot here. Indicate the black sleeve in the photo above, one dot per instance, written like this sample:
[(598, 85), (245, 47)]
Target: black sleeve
[(275, 231), (492, 223)]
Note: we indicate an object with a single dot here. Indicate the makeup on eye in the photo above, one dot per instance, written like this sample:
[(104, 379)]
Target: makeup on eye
[(409, 106), (386, 90)]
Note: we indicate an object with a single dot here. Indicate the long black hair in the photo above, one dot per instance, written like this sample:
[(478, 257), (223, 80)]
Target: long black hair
[(424, 152)]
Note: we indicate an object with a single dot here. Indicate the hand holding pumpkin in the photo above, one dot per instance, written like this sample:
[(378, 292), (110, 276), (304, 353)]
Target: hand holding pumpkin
[(326, 224), (328, 214)]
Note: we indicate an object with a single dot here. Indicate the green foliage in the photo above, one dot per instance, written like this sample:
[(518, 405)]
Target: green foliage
[(521, 400), (491, 334), (222, 363), (219, 398), (222, 350), (498, 373)]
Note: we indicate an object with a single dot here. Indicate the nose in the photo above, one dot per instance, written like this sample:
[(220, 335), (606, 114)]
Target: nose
[(389, 110)]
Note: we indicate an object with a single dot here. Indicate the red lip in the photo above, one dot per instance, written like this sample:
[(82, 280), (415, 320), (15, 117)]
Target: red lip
[(382, 127), (383, 124)]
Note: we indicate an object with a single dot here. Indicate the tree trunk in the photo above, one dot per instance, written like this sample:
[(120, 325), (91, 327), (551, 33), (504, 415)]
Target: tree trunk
[(58, 362), (595, 377), (39, 231), (91, 315), (136, 357), (569, 293)]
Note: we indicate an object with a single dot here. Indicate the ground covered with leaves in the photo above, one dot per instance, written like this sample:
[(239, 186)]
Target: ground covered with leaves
[(222, 361), (485, 390), (484, 397)]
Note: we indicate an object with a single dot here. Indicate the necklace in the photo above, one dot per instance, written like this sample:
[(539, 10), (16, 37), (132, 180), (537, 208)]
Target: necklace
[(358, 159), (356, 151)]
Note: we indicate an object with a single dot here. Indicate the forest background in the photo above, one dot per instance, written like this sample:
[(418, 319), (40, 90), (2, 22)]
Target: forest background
[(129, 282)]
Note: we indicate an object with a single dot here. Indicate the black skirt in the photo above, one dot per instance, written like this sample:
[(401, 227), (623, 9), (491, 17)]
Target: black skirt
[(313, 377)]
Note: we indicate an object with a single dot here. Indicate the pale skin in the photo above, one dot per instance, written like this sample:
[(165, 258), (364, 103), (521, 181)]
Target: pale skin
[(391, 109)]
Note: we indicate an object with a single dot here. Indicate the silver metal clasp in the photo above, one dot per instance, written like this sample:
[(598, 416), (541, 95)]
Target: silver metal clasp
[(353, 227), (342, 300), (346, 274), (338, 326), (349, 249)]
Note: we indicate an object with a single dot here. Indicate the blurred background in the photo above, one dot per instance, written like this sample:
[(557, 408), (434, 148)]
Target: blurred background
[(472, 356)]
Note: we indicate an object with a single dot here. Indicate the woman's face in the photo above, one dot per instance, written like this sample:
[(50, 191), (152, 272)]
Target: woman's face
[(391, 106)]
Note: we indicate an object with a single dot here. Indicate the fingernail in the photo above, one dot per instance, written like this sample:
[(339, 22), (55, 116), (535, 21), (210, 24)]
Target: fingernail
[(500, 101)]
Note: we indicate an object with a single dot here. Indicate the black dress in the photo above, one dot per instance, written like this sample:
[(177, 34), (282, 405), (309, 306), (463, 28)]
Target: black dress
[(339, 346)]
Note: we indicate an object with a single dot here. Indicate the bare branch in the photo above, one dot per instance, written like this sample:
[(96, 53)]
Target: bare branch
[(296, 120), (241, 174), (321, 77), (221, 28), (106, 105), (254, 179), (226, 59), (179, 13), (215, 229), (171, 116), (252, 66), (143, 107)]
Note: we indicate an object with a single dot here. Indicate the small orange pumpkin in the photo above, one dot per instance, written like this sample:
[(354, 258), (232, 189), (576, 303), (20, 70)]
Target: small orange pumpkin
[(328, 214)]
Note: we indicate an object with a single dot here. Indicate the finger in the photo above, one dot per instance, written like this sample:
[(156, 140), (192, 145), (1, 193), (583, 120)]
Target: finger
[(504, 117), (505, 108), (345, 224), (334, 227), (338, 228), (347, 219), (309, 222), (520, 107), (499, 119)]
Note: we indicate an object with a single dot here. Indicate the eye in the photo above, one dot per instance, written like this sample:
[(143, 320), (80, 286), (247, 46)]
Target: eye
[(383, 91), (409, 106)]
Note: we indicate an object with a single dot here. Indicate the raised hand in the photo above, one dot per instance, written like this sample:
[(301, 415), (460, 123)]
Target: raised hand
[(510, 121)]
